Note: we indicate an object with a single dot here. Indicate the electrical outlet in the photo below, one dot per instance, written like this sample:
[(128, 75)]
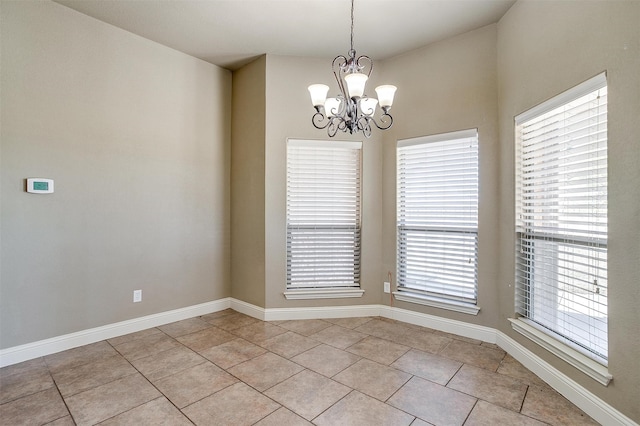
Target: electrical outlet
[(387, 287), (137, 296)]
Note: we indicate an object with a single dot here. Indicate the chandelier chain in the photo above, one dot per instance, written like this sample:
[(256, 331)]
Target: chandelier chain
[(352, 25)]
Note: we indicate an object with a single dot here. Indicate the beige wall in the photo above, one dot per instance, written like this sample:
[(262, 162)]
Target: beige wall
[(449, 86), (248, 183), (136, 137), (545, 48)]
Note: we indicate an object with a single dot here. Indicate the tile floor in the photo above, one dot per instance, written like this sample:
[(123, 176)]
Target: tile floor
[(227, 368)]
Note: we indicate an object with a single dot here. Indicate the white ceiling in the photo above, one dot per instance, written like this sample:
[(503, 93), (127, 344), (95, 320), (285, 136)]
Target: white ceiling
[(230, 33)]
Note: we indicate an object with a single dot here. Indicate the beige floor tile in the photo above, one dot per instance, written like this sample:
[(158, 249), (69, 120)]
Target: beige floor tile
[(133, 336), (510, 367), (308, 393), (232, 353), (157, 412), (101, 403), (477, 355), (233, 321), (491, 345), (33, 365), (547, 405), (166, 363), (265, 371), (236, 405), (258, 332), (283, 417), (205, 339), (487, 414), (378, 350), (78, 356), (305, 327), (376, 380), (383, 329), (358, 409), (349, 322), (71, 381), (25, 381), (146, 346), (338, 337), (289, 344), (458, 337), (216, 315), (195, 383), (432, 402), (422, 340), (64, 421), (498, 389), (428, 366), (326, 360), (188, 326), (420, 422), (35, 409)]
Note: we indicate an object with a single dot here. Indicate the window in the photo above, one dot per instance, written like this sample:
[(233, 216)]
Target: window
[(323, 214), (437, 217), (561, 217)]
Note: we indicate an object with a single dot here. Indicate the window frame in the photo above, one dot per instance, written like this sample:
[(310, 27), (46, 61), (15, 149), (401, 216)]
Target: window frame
[(426, 293), (326, 197), (527, 228)]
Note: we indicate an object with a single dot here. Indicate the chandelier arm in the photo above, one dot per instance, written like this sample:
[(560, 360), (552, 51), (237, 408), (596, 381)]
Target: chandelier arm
[(317, 119), (363, 62), (384, 124), (338, 65)]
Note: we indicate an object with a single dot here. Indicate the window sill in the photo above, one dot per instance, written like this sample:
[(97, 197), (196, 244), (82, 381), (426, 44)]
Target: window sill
[(465, 308), (314, 293), (588, 366)]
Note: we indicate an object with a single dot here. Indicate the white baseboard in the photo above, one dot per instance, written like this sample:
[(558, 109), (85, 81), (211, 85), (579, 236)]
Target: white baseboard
[(40, 348), (279, 314), (578, 395)]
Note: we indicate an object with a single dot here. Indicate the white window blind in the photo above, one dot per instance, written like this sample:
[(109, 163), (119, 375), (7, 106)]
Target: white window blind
[(323, 214), (561, 217), (437, 217)]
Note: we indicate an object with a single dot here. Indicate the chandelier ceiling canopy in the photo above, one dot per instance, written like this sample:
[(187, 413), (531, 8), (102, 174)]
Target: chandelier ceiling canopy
[(351, 110)]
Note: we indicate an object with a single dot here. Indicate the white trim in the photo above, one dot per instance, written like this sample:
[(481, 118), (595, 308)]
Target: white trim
[(461, 328), (249, 309), (584, 88), (325, 143), (279, 314), (450, 305), (329, 293), (583, 363), (40, 348), (574, 392), (441, 137)]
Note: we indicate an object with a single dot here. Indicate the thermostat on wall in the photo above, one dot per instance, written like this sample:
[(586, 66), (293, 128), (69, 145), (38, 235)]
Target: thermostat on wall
[(39, 185)]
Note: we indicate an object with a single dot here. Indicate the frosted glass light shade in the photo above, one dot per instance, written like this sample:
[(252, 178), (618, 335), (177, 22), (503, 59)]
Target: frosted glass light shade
[(332, 106), (355, 84), (368, 106), (385, 94), (318, 94)]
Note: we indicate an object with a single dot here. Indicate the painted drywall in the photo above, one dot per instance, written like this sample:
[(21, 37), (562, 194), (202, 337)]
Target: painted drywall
[(545, 48), (449, 86), (248, 183), (136, 137)]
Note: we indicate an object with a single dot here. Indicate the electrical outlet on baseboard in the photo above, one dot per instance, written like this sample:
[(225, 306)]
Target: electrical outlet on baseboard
[(387, 287)]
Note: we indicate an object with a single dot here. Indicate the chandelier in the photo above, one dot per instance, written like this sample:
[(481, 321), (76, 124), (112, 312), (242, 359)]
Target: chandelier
[(351, 110)]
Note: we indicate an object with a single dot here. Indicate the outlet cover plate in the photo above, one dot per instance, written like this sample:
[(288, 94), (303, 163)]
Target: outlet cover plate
[(387, 287), (137, 296)]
